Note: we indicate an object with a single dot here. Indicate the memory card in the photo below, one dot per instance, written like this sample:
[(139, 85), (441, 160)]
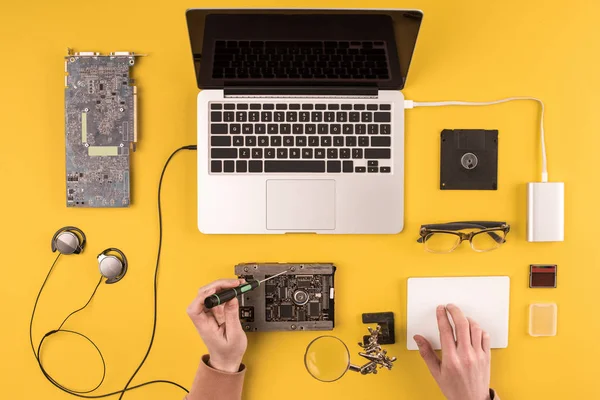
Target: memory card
[(542, 276)]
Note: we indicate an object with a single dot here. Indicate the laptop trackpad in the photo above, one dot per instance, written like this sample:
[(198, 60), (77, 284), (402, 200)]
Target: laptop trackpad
[(301, 204)]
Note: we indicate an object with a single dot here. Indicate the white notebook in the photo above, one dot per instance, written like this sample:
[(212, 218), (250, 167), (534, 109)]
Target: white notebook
[(486, 299)]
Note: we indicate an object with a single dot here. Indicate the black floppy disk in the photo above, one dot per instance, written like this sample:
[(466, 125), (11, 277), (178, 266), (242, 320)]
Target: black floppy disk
[(469, 159)]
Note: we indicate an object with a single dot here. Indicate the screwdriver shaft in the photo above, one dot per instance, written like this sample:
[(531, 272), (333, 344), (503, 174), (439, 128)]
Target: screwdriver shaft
[(273, 276), (229, 294)]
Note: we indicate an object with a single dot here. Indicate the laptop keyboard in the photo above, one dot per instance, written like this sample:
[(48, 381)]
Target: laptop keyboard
[(300, 60), (300, 138)]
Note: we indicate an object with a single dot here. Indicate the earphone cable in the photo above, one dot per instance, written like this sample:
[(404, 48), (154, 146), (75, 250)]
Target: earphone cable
[(84, 394), (82, 308), (37, 299), (160, 237), (36, 353), (59, 330)]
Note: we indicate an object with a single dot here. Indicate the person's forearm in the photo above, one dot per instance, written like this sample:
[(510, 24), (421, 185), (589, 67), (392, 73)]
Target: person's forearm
[(211, 384)]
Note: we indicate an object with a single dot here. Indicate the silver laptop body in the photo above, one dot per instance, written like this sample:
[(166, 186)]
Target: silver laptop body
[(300, 119)]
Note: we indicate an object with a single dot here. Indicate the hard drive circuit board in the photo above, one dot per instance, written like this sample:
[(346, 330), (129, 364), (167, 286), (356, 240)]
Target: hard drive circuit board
[(100, 128), (302, 299)]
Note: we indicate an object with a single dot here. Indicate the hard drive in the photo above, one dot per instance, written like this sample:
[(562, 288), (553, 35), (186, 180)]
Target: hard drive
[(301, 300)]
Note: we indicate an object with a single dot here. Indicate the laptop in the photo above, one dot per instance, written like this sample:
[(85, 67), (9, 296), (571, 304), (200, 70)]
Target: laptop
[(301, 119)]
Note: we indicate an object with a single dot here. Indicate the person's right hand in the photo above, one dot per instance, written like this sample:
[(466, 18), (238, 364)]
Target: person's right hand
[(464, 371), (220, 327)]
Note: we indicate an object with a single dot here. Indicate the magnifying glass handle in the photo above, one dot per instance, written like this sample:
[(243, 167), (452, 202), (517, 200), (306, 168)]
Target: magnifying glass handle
[(354, 368)]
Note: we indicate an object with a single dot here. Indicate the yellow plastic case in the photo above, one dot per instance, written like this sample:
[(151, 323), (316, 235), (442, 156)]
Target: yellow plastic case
[(542, 319)]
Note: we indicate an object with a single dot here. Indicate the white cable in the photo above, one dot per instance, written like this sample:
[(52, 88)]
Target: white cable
[(411, 104)]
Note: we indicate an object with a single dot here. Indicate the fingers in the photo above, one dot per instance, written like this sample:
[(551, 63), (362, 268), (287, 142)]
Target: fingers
[(219, 313), (197, 306), (476, 334), (463, 334), (431, 359), (486, 343), (446, 333), (232, 319), (203, 321), (216, 286)]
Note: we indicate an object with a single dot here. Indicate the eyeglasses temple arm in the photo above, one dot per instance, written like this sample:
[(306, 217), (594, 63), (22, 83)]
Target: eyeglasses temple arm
[(453, 226), (497, 238)]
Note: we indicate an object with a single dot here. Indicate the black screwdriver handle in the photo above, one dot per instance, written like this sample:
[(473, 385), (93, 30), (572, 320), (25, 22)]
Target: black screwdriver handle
[(228, 294)]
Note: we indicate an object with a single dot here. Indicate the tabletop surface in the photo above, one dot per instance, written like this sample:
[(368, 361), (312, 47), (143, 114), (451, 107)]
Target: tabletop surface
[(467, 50)]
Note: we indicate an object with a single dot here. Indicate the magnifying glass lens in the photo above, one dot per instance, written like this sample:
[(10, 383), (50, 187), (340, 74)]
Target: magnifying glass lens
[(327, 358)]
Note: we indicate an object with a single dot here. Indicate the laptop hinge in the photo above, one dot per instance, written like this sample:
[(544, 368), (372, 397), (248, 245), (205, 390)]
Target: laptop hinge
[(307, 91)]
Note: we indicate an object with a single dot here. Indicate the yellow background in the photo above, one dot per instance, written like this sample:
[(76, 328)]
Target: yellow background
[(467, 50)]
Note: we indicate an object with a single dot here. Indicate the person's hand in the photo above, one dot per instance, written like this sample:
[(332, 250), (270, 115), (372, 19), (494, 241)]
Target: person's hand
[(220, 327), (464, 371)]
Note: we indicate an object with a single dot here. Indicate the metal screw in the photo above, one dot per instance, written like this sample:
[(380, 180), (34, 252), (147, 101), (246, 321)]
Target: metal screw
[(72, 59), (121, 145), (293, 327), (121, 109), (246, 269), (293, 269), (131, 62), (247, 327), (86, 145), (86, 109)]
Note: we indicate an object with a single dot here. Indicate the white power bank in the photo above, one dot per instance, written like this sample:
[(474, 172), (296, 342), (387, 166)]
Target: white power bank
[(545, 212)]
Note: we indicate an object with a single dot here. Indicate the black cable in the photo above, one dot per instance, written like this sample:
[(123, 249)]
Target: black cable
[(84, 394), (36, 303), (80, 309), (160, 234), (55, 331)]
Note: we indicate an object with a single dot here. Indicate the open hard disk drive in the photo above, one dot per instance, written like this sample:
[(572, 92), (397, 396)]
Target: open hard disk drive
[(301, 300)]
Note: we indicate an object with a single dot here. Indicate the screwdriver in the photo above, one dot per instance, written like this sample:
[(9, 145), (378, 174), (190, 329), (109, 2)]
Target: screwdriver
[(228, 294)]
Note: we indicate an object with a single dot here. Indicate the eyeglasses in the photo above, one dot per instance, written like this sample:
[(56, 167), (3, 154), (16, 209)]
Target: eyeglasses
[(482, 235)]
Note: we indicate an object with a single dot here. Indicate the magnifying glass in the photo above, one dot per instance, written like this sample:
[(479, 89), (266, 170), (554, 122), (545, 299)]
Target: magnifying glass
[(327, 359)]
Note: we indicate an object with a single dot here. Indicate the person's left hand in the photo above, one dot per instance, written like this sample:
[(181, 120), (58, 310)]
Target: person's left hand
[(220, 327)]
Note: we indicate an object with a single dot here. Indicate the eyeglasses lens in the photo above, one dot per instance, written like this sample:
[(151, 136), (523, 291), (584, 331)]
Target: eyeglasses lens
[(489, 240), (438, 242)]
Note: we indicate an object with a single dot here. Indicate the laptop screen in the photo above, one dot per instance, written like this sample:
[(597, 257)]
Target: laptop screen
[(300, 47)]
